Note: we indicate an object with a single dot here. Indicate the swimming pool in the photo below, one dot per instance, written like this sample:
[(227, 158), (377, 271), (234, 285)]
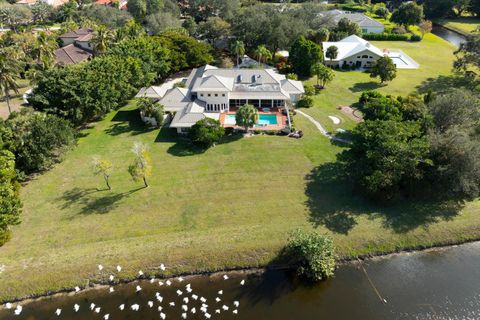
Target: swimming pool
[(263, 119)]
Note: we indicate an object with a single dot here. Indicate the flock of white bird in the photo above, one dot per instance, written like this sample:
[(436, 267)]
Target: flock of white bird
[(187, 296)]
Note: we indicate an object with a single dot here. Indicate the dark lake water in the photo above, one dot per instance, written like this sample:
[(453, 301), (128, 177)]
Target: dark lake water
[(450, 36), (442, 284)]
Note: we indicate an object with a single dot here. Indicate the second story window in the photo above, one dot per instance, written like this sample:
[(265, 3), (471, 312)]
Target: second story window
[(216, 94)]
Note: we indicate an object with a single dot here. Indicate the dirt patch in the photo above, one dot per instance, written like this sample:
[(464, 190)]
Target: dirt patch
[(352, 113)]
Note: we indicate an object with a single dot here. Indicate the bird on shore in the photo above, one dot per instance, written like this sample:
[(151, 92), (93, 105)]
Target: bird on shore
[(242, 282), (97, 310), (194, 297), (8, 305), (138, 289), (111, 278), (122, 307), (162, 267), (235, 311), (179, 292), (58, 312), (236, 303), (77, 289), (111, 290), (119, 268), (100, 267), (220, 292), (225, 277), (92, 306), (162, 315), (135, 307), (106, 317), (180, 279), (18, 310), (150, 304), (168, 282), (184, 315)]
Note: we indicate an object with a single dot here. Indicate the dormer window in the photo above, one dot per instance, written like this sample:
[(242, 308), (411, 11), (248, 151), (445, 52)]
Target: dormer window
[(254, 79), (239, 78), (216, 94)]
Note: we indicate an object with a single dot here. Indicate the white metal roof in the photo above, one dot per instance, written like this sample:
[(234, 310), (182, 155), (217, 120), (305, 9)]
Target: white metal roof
[(351, 46)]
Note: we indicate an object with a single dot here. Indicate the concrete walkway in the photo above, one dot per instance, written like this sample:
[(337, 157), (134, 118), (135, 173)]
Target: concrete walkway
[(321, 128)]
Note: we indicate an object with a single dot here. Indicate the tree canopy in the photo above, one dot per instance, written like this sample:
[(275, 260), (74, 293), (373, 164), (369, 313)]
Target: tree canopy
[(303, 55)]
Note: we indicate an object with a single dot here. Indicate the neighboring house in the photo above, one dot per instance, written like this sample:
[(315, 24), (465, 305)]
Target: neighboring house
[(218, 93), (76, 47), (367, 24), (122, 5), (53, 3), (354, 51)]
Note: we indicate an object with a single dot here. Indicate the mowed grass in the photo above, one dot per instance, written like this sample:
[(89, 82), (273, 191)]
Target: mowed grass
[(434, 55), (232, 206), (463, 25)]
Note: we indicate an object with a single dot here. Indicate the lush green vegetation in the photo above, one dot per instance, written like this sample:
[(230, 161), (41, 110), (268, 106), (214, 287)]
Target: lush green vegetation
[(463, 25), (313, 255)]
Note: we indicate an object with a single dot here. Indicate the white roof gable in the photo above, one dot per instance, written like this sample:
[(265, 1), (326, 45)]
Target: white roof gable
[(175, 99), (351, 46), (214, 83)]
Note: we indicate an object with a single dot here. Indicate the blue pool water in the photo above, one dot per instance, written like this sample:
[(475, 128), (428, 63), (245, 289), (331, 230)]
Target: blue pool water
[(263, 119)]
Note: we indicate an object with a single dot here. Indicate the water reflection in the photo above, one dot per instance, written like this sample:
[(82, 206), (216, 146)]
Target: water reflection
[(443, 284)]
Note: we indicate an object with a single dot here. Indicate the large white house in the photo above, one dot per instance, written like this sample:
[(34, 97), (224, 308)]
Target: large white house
[(217, 93), (367, 24), (354, 51)]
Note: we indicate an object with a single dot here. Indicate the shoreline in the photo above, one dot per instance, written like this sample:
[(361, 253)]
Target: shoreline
[(458, 31), (235, 271)]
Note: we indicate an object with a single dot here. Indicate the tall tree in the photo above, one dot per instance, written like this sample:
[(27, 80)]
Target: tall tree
[(41, 12), (323, 73), (385, 69), (138, 9), (332, 53), (262, 54), (10, 204), (408, 14), (238, 47), (141, 168), (246, 116), (303, 55), (44, 50), (9, 72), (468, 57), (214, 29), (101, 40)]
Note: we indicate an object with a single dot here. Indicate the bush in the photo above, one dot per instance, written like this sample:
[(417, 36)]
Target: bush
[(309, 90), (386, 37), (368, 96), (36, 139), (149, 108), (415, 38), (305, 102), (313, 255), (206, 132)]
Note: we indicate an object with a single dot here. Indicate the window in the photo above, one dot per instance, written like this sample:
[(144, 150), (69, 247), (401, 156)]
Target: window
[(371, 57), (364, 57), (358, 57), (209, 95), (364, 30), (223, 94), (216, 94), (201, 94)]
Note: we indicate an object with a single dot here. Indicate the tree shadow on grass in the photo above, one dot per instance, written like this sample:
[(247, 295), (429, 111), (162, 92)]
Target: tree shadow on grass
[(442, 84), (90, 202), (127, 121), (365, 86), (334, 203)]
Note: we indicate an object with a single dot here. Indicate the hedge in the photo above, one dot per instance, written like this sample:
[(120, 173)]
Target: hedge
[(386, 37)]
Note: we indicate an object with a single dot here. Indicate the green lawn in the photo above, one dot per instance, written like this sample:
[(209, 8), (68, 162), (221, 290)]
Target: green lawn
[(463, 25), (232, 206), (434, 55)]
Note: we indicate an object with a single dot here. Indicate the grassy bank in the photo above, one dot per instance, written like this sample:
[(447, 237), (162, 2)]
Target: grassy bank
[(462, 25), (232, 206)]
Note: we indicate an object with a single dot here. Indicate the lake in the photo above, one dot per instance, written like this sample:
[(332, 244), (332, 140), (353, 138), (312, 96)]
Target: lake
[(437, 284), (450, 36)]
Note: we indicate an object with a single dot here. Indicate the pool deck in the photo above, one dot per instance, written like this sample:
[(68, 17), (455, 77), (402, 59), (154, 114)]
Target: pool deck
[(282, 121)]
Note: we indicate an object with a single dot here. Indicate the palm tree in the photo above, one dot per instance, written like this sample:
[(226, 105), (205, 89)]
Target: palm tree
[(238, 47), (332, 53), (44, 50), (9, 70), (262, 54), (102, 38), (246, 116)]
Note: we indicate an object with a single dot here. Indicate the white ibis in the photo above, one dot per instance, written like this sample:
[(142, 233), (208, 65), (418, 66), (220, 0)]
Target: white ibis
[(58, 312)]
